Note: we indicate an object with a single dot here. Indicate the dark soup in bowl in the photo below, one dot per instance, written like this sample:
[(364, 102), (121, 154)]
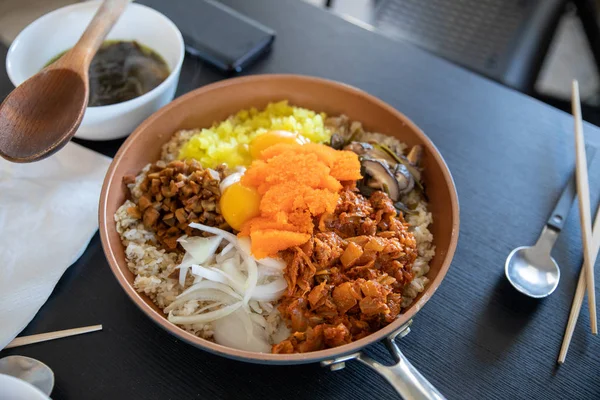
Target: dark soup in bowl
[(123, 70)]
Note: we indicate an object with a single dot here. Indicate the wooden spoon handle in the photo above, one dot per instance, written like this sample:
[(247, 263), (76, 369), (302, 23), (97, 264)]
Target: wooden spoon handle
[(93, 37)]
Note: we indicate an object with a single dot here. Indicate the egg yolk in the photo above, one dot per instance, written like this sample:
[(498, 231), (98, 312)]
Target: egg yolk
[(271, 138), (238, 204)]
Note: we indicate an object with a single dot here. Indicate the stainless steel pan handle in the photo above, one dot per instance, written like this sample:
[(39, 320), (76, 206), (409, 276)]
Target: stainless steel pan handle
[(408, 382)]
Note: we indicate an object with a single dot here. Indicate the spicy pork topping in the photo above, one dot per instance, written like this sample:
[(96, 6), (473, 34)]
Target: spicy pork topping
[(346, 282)]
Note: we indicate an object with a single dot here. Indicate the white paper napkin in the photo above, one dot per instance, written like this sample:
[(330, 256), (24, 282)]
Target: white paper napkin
[(48, 214)]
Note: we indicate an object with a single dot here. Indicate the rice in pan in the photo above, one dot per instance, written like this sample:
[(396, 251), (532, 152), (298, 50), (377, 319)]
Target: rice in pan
[(325, 275)]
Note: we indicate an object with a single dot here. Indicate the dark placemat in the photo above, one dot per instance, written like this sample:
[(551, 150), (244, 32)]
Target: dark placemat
[(5, 85), (476, 338)]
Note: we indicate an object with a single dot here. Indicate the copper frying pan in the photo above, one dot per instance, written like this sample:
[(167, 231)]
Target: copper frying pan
[(215, 102)]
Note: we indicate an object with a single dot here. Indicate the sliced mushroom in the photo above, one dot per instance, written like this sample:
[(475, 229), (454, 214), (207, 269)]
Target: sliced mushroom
[(337, 141), (343, 130), (372, 151), (380, 177), (380, 153), (415, 154), (405, 180), (386, 170), (413, 169), (360, 148), (403, 208)]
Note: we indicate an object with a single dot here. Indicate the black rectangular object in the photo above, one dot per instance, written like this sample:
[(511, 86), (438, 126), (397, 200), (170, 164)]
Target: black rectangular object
[(216, 33)]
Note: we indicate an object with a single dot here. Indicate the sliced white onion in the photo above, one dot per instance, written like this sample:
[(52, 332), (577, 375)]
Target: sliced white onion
[(248, 325), (238, 260), (274, 263), (186, 263), (234, 177), (212, 274), (265, 272), (215, 231), (270, 291), (227, 249), (204, 318), (236, 279), (259, 320), (208, 307), (244, 245), (266, 306), (230, 180), (201, 248), (212, 295), (230, 279), (250, 286), (210, 285), (281, 333), (182, 275), (272, 287), (230, 332), (214, 174), (221, 258), (254, 306), (265, 297), (249, 261)]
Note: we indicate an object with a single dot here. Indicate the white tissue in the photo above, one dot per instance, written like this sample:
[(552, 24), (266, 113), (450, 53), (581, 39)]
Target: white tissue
[(48, 214)]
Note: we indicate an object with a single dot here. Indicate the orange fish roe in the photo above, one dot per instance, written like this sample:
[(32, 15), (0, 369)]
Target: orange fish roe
[(297, 183), (343, 165), (290, 196), (266, 242)]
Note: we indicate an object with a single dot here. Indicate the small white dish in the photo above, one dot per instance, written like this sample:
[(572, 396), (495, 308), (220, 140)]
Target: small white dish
[(17, 389), (59, 30)]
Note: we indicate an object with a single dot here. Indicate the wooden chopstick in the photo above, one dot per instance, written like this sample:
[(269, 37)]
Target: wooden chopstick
[(43, 337), (583, 192), (579, 293)]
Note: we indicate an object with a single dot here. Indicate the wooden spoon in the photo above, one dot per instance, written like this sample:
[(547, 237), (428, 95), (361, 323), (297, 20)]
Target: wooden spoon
[(41, 115)]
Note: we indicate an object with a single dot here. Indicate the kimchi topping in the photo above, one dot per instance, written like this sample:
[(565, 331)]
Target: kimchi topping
[(346, 282)]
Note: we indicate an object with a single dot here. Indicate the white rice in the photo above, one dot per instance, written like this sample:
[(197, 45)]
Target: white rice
[(419, 223), (170, 150), (152, 268), (134, 188)]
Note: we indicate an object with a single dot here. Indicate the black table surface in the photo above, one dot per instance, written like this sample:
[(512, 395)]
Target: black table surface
[(477, 337)]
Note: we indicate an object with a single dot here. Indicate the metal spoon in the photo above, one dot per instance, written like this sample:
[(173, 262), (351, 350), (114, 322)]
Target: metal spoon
[(30, 370), (41, 115), (531, 269)]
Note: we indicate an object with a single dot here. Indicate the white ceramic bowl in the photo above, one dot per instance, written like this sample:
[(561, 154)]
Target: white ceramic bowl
[(59, 30), (17, 389)]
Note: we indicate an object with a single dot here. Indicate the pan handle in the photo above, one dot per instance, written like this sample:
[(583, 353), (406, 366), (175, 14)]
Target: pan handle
[(408, 382)]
